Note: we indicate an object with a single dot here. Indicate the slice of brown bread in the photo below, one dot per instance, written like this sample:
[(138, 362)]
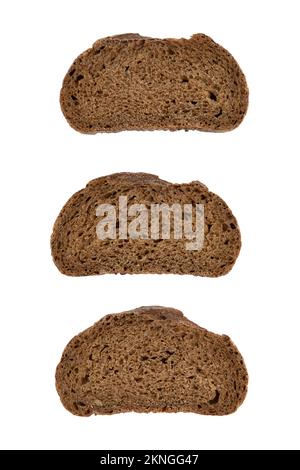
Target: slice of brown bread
[(131, 82), (77, 251), (150, 359)]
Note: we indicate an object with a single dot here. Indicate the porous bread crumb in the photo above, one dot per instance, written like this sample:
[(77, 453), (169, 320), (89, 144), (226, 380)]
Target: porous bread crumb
[(77, 251), (151, 359), (131, 82)]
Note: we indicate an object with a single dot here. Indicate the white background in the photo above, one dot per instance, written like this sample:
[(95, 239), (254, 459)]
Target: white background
[(254, 168)]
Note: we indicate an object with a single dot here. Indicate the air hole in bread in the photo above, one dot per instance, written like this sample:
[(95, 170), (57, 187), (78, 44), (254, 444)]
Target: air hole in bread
[(215, 400), (99, 50), (79, 77), (85, 379)]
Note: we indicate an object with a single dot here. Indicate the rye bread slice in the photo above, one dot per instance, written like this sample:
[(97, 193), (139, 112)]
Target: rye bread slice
[(150, 359), (131, 82), (77, 251)]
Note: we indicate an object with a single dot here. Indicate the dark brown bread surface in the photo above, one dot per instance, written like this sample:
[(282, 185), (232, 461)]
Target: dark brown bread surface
[(131, 82), (150, 359), (77, 251)]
